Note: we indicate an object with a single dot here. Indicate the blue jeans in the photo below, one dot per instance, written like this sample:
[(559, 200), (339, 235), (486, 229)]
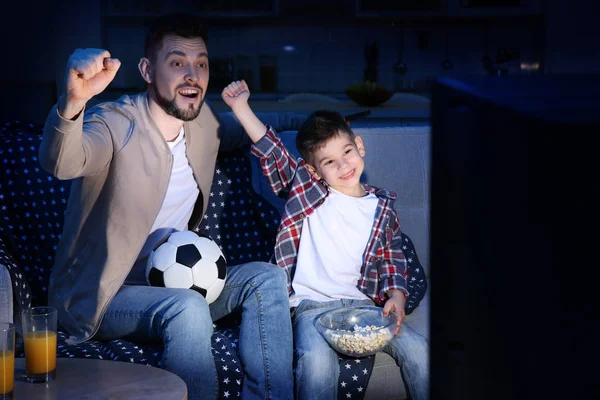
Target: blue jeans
[(317, 365), (183, 321)]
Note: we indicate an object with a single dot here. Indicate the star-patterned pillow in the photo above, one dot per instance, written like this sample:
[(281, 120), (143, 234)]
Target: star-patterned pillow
[(238, 219), (417, 281)]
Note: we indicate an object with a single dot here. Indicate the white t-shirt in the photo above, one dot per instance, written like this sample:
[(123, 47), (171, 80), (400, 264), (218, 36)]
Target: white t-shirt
[(332, 245), (176, 209)]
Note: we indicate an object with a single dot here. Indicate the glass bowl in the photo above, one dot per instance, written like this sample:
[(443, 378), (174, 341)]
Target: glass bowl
[(357, 331)]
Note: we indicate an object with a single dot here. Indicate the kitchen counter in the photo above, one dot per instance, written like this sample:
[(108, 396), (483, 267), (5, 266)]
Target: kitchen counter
[(401, 106)]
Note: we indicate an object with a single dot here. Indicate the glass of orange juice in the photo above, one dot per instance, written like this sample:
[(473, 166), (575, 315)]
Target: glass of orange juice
[(7, 360), (39, 333)]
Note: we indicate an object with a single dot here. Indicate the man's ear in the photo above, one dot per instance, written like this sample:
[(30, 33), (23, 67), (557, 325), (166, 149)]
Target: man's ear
[(144, 67), (313, 172), (360, 146)]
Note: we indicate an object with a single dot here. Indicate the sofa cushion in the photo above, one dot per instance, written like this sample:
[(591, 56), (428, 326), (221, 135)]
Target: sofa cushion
[(33, 205)]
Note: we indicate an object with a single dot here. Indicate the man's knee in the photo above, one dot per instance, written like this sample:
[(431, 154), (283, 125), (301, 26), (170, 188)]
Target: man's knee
[(270, 273), (188, 305)]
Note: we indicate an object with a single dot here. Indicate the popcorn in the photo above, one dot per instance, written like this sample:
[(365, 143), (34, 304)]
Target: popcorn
[(361, 340)]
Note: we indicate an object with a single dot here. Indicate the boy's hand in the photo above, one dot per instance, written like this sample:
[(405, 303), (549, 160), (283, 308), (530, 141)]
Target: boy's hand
[(236, 94), (395, 303)]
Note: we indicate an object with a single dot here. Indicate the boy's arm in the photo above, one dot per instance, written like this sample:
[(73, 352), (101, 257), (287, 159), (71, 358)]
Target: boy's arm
[(278, 165), (236, 95), (393, 272), (232, 133)]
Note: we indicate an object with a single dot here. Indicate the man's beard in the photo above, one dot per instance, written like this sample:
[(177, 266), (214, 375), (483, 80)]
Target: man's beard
[(171, 108)]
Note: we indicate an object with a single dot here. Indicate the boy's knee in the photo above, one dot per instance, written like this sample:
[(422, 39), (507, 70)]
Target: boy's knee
[(318, 361)]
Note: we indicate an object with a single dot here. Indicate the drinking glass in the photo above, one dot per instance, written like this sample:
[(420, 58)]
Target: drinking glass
[(39, 332), (7, 360)]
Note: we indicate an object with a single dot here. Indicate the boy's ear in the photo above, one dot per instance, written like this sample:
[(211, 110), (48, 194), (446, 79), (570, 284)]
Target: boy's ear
[(144, 67), (313, 172), (360, 146)]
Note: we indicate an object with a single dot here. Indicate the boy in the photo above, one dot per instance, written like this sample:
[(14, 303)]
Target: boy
[(339, 242)]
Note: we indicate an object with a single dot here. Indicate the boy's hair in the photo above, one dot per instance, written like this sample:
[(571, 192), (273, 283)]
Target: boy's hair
[(318, 129), (184, 25)]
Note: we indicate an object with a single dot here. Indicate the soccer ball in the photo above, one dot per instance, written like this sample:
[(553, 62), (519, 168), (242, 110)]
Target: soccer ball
[(187, 260)]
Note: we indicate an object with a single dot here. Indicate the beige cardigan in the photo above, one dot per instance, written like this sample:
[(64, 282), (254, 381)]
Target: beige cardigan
[(120, 165)]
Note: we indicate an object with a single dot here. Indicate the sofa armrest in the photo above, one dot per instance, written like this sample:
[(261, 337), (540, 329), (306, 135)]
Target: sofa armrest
[(6, 309), (18, 287)]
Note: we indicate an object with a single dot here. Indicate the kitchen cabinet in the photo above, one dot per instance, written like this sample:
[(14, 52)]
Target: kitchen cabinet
[(334, 10), (496, 8), (206, 8), (447, 8), (400, 8)]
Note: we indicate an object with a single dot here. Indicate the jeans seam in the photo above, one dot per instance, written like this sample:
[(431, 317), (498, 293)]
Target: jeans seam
[(263, 339), (408, 381)]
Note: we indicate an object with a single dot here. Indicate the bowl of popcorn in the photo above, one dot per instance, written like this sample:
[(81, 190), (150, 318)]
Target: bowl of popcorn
[(357, 331)]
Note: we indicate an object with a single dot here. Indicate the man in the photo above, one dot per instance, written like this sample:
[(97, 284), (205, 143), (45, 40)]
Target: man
[(142, 167)]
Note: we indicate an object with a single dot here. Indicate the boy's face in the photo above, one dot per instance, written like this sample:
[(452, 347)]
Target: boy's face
[(340, 163)]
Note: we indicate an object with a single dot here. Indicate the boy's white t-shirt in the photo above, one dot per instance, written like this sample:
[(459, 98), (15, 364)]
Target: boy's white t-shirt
[(332, 245), (176, 209)]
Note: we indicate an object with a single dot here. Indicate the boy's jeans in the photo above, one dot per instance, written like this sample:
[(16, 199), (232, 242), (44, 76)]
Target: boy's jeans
[(317, 365), (183, 321)]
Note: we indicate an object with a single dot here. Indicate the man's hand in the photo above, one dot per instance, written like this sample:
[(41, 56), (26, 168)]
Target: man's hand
[(236, 94), (89, 72), (395, 303)]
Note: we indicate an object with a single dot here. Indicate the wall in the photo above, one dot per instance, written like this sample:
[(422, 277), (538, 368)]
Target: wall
[(572, 39), (36, 42), (329, 59)]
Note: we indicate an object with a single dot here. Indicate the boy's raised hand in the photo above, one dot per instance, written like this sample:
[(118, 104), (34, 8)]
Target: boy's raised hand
[(235, 94), (395, 303)]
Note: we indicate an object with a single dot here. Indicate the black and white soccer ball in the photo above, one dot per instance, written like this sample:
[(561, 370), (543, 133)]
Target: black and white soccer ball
[(188, 260)]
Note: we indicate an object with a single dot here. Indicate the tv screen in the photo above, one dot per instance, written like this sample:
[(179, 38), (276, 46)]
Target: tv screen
[(514, 235)]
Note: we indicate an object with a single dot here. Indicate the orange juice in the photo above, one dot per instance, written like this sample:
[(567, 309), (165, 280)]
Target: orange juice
[(40, 352), (7, 371)]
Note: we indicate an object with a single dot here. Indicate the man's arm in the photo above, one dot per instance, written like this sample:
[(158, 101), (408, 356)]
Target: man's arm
[(65, 151), (70, 149)]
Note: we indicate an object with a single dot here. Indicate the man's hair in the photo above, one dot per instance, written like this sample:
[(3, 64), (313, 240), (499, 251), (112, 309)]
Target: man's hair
[(318, 129), (184, 25)]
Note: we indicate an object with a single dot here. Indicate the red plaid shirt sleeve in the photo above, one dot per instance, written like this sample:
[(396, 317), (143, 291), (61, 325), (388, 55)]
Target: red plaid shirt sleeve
[(279, 165), (393, 272)]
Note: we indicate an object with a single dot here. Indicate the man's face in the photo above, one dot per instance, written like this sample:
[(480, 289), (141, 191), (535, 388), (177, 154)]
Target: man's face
[(179, 76), (340, 163)]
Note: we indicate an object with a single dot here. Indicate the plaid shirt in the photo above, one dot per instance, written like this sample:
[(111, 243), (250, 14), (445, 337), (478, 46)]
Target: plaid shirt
[(384, 266)]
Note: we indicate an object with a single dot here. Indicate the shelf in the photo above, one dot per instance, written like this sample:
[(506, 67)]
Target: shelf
[(326, 12), (139, 9)]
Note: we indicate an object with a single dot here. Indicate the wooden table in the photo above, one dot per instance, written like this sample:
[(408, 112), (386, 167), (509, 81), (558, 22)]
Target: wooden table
[(78, 378)]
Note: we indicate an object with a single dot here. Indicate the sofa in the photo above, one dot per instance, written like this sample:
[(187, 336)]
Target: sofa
[(242, 219)]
